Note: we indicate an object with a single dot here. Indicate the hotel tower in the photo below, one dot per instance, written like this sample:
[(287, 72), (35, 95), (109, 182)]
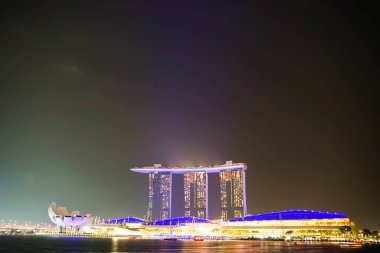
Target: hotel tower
[(232, 190)]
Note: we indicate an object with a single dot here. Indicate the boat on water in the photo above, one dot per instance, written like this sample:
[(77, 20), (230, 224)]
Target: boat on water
[(198, 238), (170, 239)]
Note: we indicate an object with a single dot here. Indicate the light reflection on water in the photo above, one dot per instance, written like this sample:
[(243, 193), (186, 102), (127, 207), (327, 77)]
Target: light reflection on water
[(34, 244), (115, 244)]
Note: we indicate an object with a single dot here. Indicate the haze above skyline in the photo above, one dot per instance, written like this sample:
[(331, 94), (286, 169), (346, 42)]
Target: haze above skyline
[(90, 89)]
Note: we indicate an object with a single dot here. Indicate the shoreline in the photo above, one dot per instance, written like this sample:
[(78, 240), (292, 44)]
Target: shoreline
[(184, 238)]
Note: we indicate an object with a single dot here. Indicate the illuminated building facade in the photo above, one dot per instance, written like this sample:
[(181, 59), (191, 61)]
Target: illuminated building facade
[(232, 189), (288, 225), (160, 187), (195, 194), (62, 218), (232, 193)]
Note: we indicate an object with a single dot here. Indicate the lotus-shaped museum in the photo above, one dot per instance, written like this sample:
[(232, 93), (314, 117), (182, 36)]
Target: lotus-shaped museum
[(64, 219)]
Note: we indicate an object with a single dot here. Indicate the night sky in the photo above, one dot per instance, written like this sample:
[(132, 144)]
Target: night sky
[(90, 89)]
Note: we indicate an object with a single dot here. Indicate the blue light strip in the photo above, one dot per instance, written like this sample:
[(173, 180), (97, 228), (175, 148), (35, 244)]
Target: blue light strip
[(179, 220), (128, 219), (291, 215)]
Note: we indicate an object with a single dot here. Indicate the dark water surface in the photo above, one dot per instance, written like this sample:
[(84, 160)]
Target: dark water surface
[(42, 244)]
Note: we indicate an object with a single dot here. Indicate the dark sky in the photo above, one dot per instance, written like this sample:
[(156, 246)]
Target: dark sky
[(90, 89)]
